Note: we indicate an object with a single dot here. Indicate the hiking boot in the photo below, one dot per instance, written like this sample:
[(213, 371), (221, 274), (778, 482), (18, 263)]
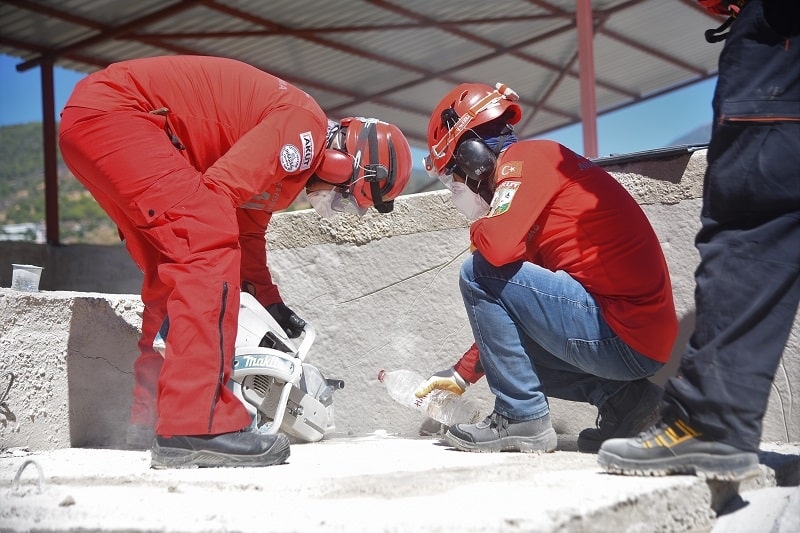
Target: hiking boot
[(500, 434), (676, 448), (240, 448), (625, 414)]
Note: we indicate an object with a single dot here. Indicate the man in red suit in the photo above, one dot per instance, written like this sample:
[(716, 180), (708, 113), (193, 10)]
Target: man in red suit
[(190, 156)]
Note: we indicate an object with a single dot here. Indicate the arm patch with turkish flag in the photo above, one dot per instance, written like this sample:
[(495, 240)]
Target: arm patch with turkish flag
[(510, 169), (501, 201)]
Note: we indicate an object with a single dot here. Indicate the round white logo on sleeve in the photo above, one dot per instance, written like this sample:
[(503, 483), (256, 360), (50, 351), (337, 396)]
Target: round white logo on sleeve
[(290, 157)]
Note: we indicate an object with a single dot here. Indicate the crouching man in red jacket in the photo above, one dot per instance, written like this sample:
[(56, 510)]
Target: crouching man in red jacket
[(567, 289)]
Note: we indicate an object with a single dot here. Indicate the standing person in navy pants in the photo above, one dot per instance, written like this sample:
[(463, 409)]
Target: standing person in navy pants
[(748, 280)]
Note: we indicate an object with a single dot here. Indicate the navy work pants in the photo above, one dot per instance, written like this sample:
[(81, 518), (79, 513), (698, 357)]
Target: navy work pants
[(748, 280)]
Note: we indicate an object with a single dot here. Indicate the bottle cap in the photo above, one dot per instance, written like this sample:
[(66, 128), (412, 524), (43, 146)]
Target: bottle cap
[(381, 375)]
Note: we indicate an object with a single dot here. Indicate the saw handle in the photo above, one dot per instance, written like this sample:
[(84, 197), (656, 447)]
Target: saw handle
[(308, 339)]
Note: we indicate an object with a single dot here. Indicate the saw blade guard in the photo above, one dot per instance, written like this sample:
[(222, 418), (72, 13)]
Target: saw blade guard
[(281, 391), (258, 328)]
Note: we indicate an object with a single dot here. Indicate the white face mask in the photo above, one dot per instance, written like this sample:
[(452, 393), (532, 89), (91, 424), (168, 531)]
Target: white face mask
[(468, 203), (329, 202)]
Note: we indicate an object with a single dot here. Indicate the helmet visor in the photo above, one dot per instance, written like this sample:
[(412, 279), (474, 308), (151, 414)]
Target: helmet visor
[(445, 176)]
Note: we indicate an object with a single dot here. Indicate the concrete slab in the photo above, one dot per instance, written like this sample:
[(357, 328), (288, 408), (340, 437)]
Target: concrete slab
[(376, 482), (751, 510)]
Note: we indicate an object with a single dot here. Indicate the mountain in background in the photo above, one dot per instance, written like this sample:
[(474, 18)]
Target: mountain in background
[(22, 191)]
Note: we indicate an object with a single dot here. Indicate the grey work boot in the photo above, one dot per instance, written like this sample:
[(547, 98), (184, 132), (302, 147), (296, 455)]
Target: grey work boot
[(500, 434), (674, 446), (625, 414)]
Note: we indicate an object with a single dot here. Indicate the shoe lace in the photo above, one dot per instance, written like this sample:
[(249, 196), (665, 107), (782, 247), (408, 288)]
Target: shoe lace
[(498, 421), (653, 431), (668, 433)]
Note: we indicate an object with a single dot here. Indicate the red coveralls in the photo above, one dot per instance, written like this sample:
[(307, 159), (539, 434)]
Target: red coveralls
[(568, 214), (193, 212)]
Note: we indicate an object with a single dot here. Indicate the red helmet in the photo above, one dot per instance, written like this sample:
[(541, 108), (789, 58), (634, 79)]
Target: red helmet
[(721, 7), (467, 106), (372, 159)]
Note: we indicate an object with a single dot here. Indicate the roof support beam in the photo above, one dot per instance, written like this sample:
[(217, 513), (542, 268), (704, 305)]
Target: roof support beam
[(108, 34), (585, 27), (50, 158)]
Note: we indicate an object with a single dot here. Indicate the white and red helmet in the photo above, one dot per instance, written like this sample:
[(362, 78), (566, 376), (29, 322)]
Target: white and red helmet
[(465, 108), (368, 158)]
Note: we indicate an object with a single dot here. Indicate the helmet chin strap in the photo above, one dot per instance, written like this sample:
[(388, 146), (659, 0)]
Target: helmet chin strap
[(374, 172), (506, 134), (375, 189)]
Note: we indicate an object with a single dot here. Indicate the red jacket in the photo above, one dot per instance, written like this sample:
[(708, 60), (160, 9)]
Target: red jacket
[(215, 109), (558, 210)]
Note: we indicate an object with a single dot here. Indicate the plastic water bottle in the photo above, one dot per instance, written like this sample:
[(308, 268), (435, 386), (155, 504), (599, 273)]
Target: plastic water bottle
[(442, 405)]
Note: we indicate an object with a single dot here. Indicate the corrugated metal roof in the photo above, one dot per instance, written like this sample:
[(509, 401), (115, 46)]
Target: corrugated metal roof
[(393, 59)]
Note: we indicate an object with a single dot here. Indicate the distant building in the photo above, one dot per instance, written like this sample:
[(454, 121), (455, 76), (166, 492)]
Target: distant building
[(27, 231)]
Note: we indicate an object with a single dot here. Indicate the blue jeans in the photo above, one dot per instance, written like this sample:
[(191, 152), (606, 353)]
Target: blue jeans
[(540, 333)]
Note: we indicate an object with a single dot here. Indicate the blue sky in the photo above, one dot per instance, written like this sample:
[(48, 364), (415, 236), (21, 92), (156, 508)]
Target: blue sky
[(652, 124)]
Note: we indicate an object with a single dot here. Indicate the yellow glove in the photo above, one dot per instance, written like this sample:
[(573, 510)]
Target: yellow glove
[(445, 380)]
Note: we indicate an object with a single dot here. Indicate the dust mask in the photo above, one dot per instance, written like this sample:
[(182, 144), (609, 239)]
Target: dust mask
[(327, 203), (468, 203)]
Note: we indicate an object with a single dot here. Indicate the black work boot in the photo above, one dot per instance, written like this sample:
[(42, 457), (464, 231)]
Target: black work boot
[(240, 448), (500, 434), (673, 445), (625, 414)]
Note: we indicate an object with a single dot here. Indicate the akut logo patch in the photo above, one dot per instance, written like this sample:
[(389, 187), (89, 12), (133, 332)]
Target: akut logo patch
[(307, 141)]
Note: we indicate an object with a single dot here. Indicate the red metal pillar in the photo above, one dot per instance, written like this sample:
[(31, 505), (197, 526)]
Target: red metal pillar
[(50, 150), (585, 25)]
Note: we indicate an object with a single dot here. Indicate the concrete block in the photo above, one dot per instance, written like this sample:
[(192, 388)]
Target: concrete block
[(71, 356)]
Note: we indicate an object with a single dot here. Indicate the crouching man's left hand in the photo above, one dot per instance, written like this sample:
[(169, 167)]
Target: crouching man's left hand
[(444, 380)]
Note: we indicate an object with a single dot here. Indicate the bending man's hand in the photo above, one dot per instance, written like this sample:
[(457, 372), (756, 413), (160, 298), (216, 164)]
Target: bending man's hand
[(445, 380), (287, 319)]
